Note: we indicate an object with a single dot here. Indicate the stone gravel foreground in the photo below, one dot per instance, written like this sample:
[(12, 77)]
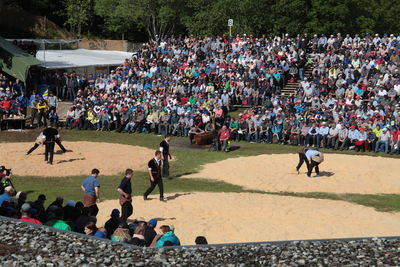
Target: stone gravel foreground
[(23, 244)]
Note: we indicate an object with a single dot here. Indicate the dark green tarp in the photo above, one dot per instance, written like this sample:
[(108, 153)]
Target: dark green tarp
[(14, 61)]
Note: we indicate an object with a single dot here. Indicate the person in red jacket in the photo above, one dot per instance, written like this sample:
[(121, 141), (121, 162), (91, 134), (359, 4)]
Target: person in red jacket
[(224, 136), (5, 107)]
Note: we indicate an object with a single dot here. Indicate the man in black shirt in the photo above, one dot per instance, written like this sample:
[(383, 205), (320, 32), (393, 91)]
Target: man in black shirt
[(50, 134), (125, 199), (164, 148), (154, 167)]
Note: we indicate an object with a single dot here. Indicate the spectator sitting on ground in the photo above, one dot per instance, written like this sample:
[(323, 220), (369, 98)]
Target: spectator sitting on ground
[(201, 240), (82, 220), (91, 229), (6, 196), (138, 237), (149, 232), (58, 222), (166, 234), (26, 214), (113, 222), (121, 234)]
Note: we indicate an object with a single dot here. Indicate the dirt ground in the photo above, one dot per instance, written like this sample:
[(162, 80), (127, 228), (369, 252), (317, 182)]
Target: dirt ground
[(83, 157), (340, 174), (227, 217)]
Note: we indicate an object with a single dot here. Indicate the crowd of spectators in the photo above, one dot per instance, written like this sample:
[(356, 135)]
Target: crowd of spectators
[(187, 85), (13, 101), (73, 216)]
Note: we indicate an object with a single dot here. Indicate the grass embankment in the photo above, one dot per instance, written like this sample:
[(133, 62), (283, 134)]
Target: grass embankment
[(186, 162)]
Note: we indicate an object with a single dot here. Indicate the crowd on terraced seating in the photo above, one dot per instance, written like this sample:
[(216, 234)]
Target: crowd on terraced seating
[(187, 85)]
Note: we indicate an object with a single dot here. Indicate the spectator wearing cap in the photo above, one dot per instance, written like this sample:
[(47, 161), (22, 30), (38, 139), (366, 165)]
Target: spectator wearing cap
[(383, 139), (112, 223), (26, 214), (6, 196)]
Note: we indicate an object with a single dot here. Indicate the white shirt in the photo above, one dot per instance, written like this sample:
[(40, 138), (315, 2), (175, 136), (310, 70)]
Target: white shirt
[(311, 153)]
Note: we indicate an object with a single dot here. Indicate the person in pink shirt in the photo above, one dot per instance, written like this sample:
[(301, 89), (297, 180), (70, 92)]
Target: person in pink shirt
[(224, 136)]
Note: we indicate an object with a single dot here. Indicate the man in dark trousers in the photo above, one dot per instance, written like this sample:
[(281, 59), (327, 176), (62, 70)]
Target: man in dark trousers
[(154, 167), (51, 135), (125, 191), (40, 139), (166, 155), (312, 158)]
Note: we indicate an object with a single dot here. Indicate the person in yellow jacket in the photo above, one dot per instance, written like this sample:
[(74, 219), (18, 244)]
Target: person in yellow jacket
[(42, 110), (93, 119)]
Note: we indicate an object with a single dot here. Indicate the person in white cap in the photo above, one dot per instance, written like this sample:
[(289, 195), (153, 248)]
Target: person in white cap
[(383, 139)]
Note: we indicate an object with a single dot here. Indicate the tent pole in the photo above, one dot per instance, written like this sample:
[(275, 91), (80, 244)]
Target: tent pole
[(44, 53)]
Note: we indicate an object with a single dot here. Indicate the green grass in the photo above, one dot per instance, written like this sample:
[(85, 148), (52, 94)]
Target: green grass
[(186, 162), (69, 187)]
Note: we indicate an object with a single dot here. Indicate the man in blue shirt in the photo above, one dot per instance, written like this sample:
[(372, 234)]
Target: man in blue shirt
[(312, 158), (6, 196), (91, 187)]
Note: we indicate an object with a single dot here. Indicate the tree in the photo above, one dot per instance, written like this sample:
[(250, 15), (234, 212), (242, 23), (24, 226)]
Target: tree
[(157, 17), (79, 13), (289, 16), (114, 16), (205, 17)]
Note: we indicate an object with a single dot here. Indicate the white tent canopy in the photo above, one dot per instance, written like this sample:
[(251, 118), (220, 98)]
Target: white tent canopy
[(79, 58)]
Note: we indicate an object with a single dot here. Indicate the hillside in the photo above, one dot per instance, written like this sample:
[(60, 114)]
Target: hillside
[(17, 23)]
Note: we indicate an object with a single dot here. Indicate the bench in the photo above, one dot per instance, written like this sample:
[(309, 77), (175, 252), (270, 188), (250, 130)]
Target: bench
[(16, 123)]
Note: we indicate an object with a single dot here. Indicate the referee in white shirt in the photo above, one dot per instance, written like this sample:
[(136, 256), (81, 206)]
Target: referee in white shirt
[(312, 158)]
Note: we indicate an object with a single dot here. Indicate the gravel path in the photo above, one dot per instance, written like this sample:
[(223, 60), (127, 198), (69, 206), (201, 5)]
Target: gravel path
[(24, 245)]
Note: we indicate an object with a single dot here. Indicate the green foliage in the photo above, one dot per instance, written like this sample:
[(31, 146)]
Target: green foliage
[(79, 13), (108, 18)]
